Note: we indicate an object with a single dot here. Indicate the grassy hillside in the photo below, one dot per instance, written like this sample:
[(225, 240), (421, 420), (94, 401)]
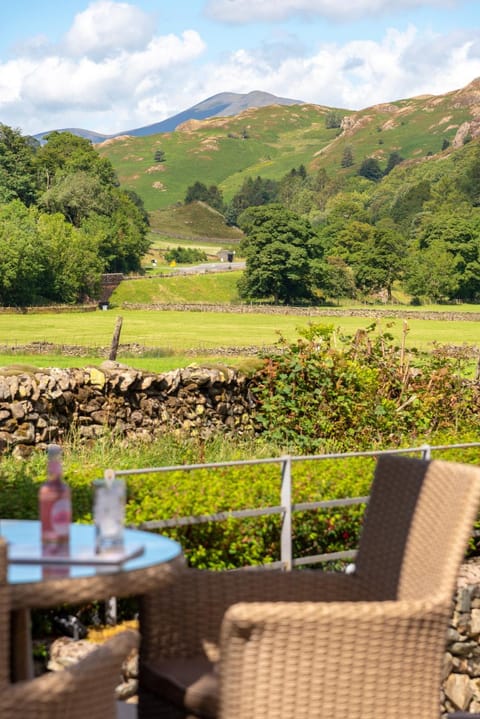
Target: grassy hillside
[(216, 151), (269, 141), (217, 288), (196, 220)]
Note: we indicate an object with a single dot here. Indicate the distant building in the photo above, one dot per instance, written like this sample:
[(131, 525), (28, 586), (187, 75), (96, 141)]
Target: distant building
[(226, 255)]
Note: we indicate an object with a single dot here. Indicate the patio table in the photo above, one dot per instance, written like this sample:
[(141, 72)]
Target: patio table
[(36, 585)]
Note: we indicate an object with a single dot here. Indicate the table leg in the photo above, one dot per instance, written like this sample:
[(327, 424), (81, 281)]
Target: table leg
[(21, 645)]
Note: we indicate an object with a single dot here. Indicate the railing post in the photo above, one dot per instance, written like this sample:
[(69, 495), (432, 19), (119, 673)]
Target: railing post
[(286, 502), (426, 451)]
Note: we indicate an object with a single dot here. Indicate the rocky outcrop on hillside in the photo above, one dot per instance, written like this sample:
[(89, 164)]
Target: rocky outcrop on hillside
[(467, 130), (42, 406)]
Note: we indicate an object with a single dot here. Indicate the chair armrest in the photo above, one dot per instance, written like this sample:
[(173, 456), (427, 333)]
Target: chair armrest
[(363, 660), (176, 620), (84, 691)]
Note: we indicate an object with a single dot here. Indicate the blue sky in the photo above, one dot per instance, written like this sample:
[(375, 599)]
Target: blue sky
[(110, 66)]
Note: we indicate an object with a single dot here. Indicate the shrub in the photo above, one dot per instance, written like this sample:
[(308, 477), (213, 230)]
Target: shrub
[(185, 255), (313, 395)]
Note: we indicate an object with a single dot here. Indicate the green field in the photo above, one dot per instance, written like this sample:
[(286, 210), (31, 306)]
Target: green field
[(218, 288), (172, 334)]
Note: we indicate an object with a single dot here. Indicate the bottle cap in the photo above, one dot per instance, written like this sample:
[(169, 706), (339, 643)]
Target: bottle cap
[(109, 476), (53, 451)]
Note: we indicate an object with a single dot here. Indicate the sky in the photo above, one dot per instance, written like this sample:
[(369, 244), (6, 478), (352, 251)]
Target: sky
[(110, 66)]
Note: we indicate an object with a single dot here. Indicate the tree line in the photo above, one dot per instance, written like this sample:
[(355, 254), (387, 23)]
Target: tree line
[(64, 220), (310, 237)]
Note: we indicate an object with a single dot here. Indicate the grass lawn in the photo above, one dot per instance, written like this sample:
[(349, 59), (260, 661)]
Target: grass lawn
[(175, 332)]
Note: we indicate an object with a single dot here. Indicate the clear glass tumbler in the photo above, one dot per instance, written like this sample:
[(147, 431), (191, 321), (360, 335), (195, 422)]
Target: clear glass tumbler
[(109, 513)]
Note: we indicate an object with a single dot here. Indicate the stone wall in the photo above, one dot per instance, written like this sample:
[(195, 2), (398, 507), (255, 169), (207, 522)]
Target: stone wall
[(461, 687), (42, 406)]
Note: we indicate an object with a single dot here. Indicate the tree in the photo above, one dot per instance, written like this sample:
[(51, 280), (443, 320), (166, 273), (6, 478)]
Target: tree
[(76, 196), (120, 235), (409, 200), (279, 247), (185, 255), (65, 153), (333, 119), (381, 260), (44, 258), (394, 159), (23, 258), (341, 209), (432, 273), (73, 267), (457, 236), (253, 193), (370, 169), (347, 157), (17, 166), (333, 277), (199, 192), (159, 156)]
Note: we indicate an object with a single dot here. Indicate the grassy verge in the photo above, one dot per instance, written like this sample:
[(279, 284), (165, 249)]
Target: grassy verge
[(148, 364)]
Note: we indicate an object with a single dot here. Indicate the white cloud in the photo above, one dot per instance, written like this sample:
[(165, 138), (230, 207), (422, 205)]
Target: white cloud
[(109, 84), (106, 28), (243, 11), (104, 74), (356, 74)]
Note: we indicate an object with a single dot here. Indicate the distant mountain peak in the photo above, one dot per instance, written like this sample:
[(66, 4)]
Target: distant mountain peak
[(223, 104)]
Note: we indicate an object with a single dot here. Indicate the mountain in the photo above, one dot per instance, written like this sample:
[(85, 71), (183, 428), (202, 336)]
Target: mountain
[(269, 141), (222, 105)]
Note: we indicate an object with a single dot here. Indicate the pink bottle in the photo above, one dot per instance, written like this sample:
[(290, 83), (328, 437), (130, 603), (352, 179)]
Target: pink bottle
[(55, 507)]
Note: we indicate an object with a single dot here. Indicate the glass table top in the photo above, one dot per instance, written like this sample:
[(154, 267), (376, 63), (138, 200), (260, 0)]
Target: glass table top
[(24, 535)]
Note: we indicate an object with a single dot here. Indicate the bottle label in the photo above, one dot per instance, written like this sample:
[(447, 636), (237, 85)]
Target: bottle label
[(60, 517)]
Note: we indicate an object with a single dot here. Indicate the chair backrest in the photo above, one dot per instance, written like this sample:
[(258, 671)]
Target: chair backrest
[(4, 618), (417, 525)]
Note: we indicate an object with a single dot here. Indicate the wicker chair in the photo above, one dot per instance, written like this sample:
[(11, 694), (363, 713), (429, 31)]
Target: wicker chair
[(84, 691), (263, 644)]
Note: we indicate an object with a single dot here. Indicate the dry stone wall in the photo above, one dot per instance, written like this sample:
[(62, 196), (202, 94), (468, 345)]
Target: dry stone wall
[(461, 686), (42, 406)]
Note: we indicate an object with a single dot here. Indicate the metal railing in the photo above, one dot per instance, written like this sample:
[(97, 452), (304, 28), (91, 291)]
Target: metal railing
[(286, 507)]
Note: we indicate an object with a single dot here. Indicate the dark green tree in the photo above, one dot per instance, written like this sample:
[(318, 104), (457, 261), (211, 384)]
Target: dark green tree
[(457, 236), (17, 166), (159, 156), (44, 258), (370, 169), (432, 273), (380, 261), (253, 193), (409, 201), (279, 248), (199, 192), (347, 157), (394, 159)]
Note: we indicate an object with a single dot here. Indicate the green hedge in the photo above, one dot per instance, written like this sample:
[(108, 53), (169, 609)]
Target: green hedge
[(226, 544)]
